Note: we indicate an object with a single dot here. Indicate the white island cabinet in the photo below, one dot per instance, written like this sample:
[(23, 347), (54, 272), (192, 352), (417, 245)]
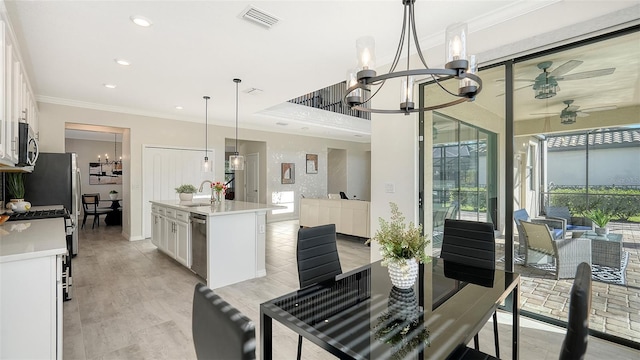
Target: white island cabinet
[(236, 235), (31, 289)]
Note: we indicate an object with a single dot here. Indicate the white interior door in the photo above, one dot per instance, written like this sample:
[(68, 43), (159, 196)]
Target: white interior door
[(164, 169), (252, 192)]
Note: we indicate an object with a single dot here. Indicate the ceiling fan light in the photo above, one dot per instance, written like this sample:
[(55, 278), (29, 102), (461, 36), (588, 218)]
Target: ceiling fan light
[(567, 117)]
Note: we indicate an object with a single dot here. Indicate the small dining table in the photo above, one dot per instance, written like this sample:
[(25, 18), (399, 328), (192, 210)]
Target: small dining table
[(361, 315)]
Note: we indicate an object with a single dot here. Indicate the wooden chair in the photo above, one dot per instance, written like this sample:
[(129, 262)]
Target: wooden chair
[(318, 260), (219, 330), (90, 206)]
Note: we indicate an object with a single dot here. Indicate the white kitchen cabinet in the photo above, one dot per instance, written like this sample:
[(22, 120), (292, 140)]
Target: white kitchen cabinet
[(171, 233), (156, 229), (183, 238), (31, 289), (17, 101), (170, 227)]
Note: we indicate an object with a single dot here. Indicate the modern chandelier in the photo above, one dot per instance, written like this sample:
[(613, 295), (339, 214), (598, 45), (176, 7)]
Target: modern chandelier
[(206, 166), (361, 79), (236, 161), (115, 154)]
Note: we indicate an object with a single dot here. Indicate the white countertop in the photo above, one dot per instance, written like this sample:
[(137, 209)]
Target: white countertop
[(226, 207), (28, 239)]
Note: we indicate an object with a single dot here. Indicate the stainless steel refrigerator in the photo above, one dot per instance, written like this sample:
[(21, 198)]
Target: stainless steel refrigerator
[(55, 180)]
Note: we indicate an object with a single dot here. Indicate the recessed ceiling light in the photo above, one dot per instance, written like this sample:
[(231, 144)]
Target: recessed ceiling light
[(109, 86), (357, 135), (179, 108), (281, 123), (122, 62), (141, 21), (304, 128)]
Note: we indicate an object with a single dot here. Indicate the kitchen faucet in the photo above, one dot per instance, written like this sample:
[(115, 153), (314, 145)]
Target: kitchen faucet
[(202, 186)]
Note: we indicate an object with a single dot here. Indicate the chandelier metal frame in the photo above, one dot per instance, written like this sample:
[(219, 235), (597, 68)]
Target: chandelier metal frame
[(455, 69)]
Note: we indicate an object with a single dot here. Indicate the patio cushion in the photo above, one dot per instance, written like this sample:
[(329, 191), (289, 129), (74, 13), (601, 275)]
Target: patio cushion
[(576, 228)]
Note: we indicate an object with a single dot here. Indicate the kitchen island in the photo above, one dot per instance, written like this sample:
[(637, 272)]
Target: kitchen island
[(235, 237), (31, 288)]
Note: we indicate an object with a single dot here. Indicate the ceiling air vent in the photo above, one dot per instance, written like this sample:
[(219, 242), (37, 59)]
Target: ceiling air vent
[(259, 16)]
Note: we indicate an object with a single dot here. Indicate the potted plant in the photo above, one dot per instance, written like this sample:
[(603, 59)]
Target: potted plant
[(601, 218), (402, 248), (186, 191), (15, 187), (113, 194)]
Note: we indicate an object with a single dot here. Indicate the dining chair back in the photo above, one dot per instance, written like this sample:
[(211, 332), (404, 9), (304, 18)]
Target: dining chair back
[(317, 255), (91, 207), (574, 345), (318, 260), (219, 330), (471, 243)]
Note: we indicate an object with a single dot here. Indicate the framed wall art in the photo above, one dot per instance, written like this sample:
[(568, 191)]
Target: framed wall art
[(105, 174), (312, 163), (288, 174)]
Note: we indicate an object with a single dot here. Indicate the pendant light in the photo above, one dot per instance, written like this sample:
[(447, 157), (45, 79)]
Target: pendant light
[(236, 161), (206, 165)]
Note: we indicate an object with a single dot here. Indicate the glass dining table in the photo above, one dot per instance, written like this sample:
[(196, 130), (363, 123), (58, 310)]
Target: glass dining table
[(361, 315)]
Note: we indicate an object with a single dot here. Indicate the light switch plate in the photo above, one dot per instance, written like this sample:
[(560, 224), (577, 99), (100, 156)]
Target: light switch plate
[(389, 188)]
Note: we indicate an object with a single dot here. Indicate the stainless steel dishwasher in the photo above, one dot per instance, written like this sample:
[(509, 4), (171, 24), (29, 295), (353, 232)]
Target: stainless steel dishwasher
[(199, 244)]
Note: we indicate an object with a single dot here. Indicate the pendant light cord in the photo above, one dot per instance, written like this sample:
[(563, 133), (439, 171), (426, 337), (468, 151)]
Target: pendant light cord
[(237, 81), (206, 125)]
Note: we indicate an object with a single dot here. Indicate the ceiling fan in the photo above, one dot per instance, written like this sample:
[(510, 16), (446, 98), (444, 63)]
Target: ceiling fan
[(569, 114), (546, 85)]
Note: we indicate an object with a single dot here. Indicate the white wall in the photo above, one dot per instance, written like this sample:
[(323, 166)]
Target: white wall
[(156, 131)]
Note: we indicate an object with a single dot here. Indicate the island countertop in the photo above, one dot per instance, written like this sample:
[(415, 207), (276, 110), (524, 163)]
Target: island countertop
[(226, 207), (28, 239)]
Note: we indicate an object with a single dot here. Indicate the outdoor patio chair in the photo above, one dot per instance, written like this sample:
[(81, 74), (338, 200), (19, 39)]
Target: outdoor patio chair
[(567, 253), (571, 223)]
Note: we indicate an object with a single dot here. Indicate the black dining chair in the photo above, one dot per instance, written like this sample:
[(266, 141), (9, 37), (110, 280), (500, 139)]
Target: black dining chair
[(90, 206), (219, 330), (574, 345), (471, 243), (318, 260)]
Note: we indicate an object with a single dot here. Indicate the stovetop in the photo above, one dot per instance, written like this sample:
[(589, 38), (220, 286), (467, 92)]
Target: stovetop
[(38, 214)]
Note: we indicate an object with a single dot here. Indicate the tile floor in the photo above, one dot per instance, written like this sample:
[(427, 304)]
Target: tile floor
[(133, 302)]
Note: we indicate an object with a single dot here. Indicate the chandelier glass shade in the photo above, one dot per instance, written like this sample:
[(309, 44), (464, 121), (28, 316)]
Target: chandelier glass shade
[(206, 164), (236, 161), (362, 79), (115, 153)]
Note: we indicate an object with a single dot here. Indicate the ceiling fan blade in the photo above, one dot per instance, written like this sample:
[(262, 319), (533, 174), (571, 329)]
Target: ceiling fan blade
[(600, 108), (581, 114), (587, 74), (572, 108), (546, 114), (565, 68)]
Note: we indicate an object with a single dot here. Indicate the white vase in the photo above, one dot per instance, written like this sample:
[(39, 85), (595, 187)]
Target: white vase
[(18, 205), (185, 196), (113, 196), (602, 231), (403, 274)]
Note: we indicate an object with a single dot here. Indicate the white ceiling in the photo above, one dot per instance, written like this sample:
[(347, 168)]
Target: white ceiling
[(196, 48)]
